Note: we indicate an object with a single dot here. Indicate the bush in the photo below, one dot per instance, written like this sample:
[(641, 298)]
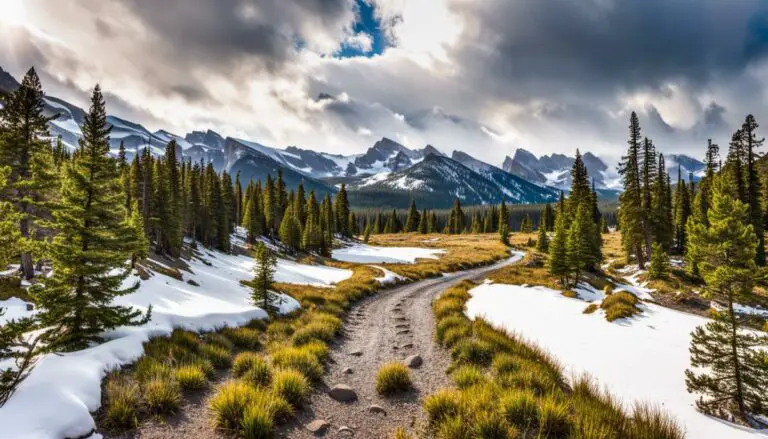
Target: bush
[(505, 363), (553, 417), (313, 331), (191, 377), (475, 352), (259, 374), (530, 376), (489, 425), (219, 356), (620, 305), (148, 368), (392, 378), (244, 338), (467, 376), (441, 406), (291, 385), (162, 395), (519, 408), (301, 359), (244, 361), (185, 339), (454, 335), (256, 423), (590, 308), (123, 398), (229, 402), (455, 428)]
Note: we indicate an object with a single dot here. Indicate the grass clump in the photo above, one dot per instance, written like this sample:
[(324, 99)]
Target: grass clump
[(519, 407), (258, 374), (229, 402), (553, 420), (219, 356), (620, 305), (652, 422), (162, 395), (122, 402), (302, 359), (219, 339), (471, 351), (590, 308), (191, 377), (393, 378), (291, 385), (467, 376), (244, 337), (441, 406), (400, 433), (256, 423)]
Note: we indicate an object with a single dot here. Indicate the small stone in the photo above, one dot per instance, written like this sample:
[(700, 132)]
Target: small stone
[(407, 346), (394, 348), (347, 370), (30, 307), (413, 361), (373, 408), (356, 353), (342, 392), (193, 283), (318, 427), (346, 430)]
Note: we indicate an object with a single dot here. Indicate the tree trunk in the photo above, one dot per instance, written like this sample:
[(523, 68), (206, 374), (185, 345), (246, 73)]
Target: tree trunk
[(27, 267), (736, 365), (640, 257)]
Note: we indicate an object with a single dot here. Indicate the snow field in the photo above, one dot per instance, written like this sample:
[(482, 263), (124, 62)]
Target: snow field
[(367, 254)]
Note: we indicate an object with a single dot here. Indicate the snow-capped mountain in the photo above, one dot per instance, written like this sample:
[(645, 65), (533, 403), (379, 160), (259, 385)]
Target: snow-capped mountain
[(437, 180), (686, 165), (555, 170)]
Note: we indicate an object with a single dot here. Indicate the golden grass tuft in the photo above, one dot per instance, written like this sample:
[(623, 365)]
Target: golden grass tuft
[(392, 378)]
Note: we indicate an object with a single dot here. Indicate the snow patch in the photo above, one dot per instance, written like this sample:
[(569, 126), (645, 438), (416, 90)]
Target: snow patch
[(389, 277), (366, 254)]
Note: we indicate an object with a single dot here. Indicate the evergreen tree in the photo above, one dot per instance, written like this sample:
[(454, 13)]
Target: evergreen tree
[(16, 344), (89, 253), (735, 165), (352, 224), (549, 217), (527, 224), (173, 228), (604, 226), (28, 153), (477, 223), (752, 185), (423, 222), (326, 225), (456, 223), (367, 233), (262, 295), (503, 223), (342, 212), (432, 224), (649, 178), (412, 220), (703, 198), (378, 224), (659, 266), (289, 230), (141, 243), (488, 223), (542, 242), (630, 201), (736, 372), (558, 255), (238, 206), (10, 235), (661, 209), (270, 207), (580, 251), (682, 213), (300, 204)]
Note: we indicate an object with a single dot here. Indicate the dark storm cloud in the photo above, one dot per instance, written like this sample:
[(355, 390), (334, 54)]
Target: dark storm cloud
[(545, 47), (227, 31)]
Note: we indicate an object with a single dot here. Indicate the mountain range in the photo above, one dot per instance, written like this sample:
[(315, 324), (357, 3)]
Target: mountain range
[(387, 174)]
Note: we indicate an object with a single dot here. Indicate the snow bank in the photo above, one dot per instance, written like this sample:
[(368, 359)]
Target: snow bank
[(14, 308), (388, 277), (57, 399), (366, 254), (315, 275), (637, 359)]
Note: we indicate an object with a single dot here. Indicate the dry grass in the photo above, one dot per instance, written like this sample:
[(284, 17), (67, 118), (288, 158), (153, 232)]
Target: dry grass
[(393, 378)]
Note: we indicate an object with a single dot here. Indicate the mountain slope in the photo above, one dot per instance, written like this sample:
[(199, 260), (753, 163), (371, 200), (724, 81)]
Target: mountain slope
[(436, 181)]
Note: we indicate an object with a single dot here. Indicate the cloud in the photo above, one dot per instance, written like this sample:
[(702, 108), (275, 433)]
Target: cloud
[(485, 77)]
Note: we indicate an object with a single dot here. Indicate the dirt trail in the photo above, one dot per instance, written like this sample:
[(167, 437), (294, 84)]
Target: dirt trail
[(390, 325)]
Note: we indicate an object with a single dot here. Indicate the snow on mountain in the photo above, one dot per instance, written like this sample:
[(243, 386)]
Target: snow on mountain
[(555, 170), (687, 165), (437, 180)]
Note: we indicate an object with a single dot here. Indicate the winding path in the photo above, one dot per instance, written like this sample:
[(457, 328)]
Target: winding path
[(387, 326)]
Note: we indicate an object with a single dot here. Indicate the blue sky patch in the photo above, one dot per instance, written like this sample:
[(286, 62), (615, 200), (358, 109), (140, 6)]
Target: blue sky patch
[(367, 23)]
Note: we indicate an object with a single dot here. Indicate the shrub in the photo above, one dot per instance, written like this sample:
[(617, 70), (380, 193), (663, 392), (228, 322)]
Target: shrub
[(291, 385), (505, 363), (162, 395), (553, 417), (244, 338), (590, 308), (147, 368), (219, 356), (185, 339), (467, 376), (442, 405), (620, 305), (619, 311), (651, 422), (313, 331), (530, 376), (300, 359), (452, 321), (477, 352), (489, 425), (259, 374), (229, 403), (453, 335), (519, 407), (454, 428), (392, 378), (191, 377), (243, 361), (256, 423), (123, 398), (317, 348)]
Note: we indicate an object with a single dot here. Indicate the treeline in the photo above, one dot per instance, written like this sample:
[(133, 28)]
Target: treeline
[(717, 225)]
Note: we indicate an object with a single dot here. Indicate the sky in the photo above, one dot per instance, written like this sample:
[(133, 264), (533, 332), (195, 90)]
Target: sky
[(485, 77)]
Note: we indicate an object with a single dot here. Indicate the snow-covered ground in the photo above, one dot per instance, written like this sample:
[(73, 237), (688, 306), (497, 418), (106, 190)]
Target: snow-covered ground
[(57, 399), (368, 254), (637, 359), (13, 308), (388, 277)]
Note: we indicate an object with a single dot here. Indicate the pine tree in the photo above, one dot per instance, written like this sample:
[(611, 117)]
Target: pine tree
[(752, 185), (173, 228), (580, 251), (289, 232), (423, 222), (262, 295), (238, 212), (736, 372), (10, 236), (412, 220), (270, 206), (300, 204), (661, 209), (28, 153), (735, 165), (432, 224), (378, 224), (649, 178), (488, 223), (352, 225), (549, 217), (542, 242), (456, 223), (17, 345), (558, 256), (342, 212), (659, 266), (604, 226), (477, 223), (141, 243), (503, 223), (89, 253), (367, 233), (630, 201), (527, 225), (682, 213), (703, 198)]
